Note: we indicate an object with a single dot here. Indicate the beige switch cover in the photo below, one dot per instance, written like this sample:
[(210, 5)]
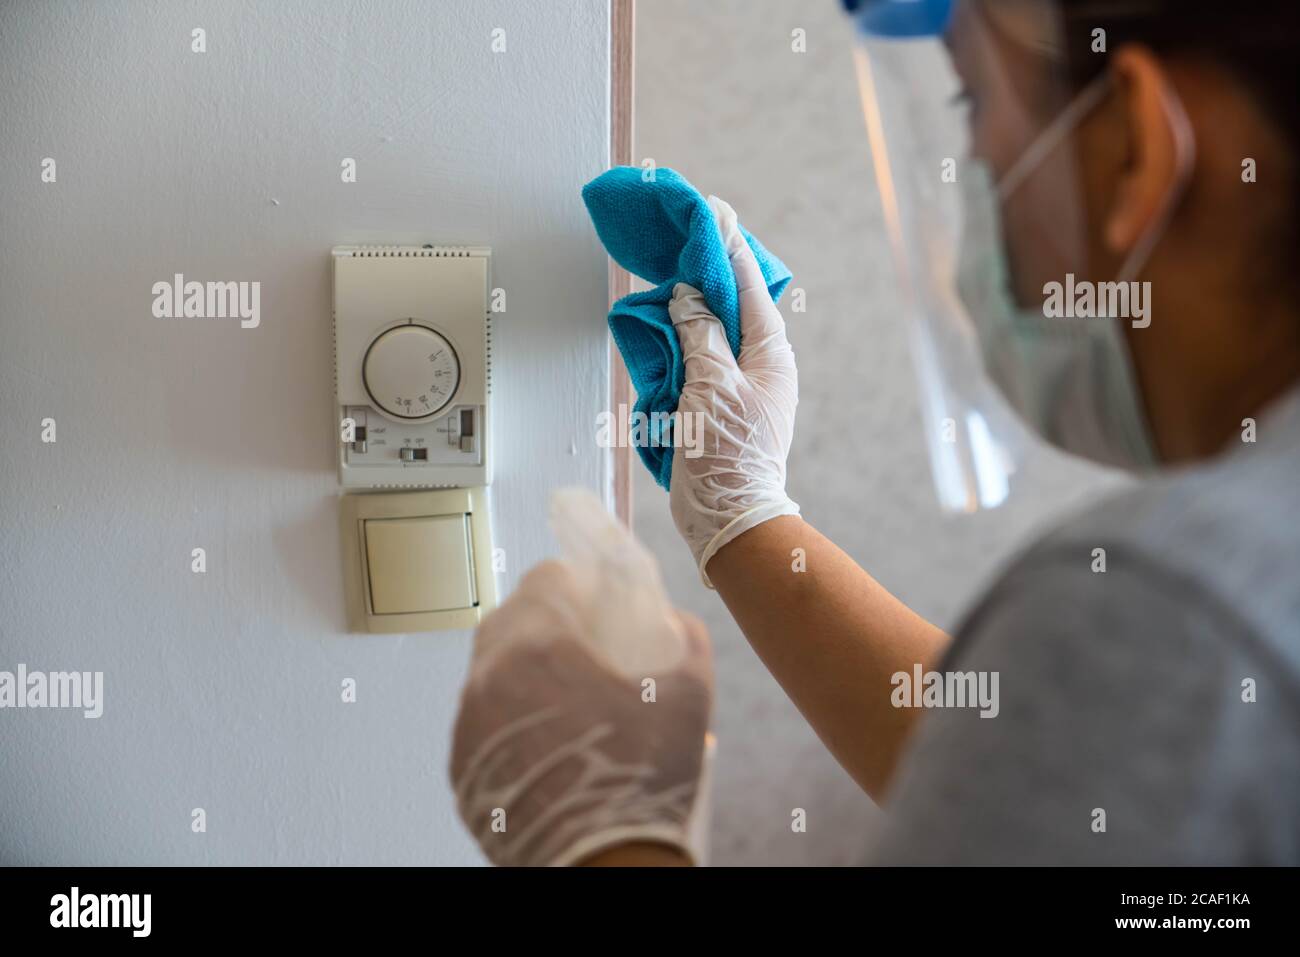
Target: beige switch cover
[(419, 564), (417, 561)]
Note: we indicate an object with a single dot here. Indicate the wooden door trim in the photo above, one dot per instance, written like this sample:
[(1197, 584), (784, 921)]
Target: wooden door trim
[(621, 61)]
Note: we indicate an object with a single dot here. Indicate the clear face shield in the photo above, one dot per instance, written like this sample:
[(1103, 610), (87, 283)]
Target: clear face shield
[(980, 117)]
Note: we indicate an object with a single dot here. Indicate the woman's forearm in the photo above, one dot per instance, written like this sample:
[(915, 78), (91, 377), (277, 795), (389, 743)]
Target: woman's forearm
[(831, 635)]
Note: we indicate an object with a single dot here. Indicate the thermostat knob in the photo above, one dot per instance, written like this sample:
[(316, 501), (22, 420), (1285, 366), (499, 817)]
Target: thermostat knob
[(411, 372)]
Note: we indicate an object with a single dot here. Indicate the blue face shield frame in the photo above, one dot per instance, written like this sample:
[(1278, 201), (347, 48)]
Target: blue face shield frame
[(901, 18)]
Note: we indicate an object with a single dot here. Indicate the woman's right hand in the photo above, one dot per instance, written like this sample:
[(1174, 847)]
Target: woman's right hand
[(741, 410), (827, 631)]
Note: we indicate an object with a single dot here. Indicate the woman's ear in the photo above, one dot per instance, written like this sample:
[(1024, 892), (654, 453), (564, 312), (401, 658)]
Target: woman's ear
[(1152, 167)]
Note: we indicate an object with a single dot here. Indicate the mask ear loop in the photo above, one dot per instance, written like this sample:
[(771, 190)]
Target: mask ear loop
[(1180, 127), (1052, 135), (1047, 141)]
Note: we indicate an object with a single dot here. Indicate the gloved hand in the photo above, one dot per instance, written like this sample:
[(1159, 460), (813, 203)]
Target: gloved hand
[(557, 752), (744, 407)]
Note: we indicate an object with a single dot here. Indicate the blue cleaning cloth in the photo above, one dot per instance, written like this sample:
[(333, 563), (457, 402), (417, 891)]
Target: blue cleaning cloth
[(664, 231)]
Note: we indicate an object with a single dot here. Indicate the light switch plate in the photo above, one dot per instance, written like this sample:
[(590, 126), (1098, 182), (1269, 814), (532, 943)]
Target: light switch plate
[(417, 561), (419, 564)]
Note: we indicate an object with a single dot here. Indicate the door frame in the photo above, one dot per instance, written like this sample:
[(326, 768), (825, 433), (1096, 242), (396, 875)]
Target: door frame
[(621, 92)]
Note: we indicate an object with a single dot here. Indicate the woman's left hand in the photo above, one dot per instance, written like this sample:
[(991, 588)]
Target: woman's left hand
[(558, 752)]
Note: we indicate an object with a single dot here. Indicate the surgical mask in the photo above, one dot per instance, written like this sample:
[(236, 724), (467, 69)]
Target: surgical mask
[(1071, 379)]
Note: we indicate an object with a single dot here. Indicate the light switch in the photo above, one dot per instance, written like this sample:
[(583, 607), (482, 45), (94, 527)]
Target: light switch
[(419, 564), (417, 561)]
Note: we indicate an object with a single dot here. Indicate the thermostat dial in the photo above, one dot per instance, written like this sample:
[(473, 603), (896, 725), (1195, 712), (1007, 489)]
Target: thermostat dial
[(411, 372)]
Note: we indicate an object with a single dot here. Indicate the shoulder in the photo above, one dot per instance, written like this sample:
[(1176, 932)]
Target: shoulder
[(1136, 681), (1199, 557)]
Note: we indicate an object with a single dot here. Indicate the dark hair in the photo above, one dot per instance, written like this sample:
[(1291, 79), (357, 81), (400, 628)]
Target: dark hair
[(1256, 40), (1259, 40)]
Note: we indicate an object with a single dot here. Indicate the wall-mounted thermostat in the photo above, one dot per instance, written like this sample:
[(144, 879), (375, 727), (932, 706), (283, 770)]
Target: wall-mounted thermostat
[(412, 367), (412, 363)]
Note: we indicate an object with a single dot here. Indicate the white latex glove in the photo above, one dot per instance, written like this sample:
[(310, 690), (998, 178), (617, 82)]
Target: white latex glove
[(557, 753), (744, 408)]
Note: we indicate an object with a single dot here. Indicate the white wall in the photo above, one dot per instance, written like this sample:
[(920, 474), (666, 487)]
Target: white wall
[(223, 689), (722, 98)]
